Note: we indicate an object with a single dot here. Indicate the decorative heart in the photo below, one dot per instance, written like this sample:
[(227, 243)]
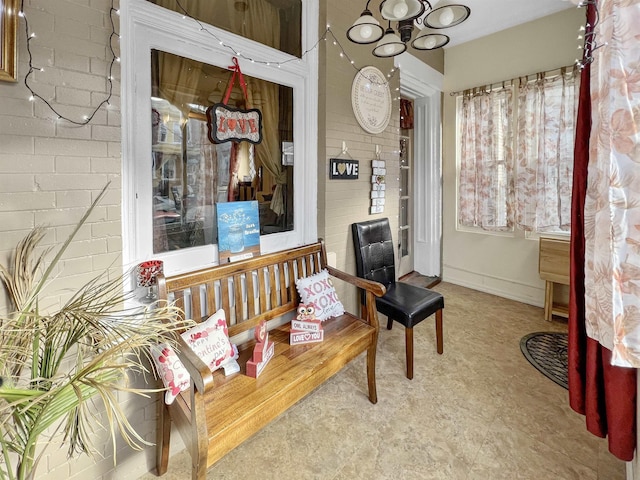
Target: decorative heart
[(232, 123), (341, 168)]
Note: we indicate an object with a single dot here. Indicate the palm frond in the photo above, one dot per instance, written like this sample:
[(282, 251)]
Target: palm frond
[(56, 366)]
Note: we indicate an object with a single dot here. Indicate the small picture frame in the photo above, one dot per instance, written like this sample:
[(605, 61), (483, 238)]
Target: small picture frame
[(9, 40)]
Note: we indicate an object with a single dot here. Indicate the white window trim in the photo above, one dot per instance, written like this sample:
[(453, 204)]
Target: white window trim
[(145, 26)]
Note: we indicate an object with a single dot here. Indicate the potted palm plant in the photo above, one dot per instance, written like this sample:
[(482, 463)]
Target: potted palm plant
[(55, 365)]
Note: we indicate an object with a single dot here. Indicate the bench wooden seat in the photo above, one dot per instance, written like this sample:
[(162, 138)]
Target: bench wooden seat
[(218, 413)]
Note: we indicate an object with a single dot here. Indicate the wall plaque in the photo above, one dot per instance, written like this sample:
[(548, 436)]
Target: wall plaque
[(371, 100), (341, 169)]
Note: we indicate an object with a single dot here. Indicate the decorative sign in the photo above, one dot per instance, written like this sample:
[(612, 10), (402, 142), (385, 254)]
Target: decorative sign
[(262, 352), (227, 124), (306, 325), (371, 100), (238, 230), (300, 337), (306, 328), (378, 187), (341, 169)]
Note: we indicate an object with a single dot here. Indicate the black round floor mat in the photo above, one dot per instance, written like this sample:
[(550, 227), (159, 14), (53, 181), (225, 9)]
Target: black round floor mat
[(547, 351)]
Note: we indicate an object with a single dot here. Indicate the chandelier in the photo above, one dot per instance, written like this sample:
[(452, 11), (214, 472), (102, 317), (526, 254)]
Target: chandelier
[(367, 28)]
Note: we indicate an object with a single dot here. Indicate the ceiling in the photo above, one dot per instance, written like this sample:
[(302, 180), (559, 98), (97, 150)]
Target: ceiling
[(490, 16)]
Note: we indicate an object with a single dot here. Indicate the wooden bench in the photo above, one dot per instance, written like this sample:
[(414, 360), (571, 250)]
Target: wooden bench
[(218, 413)]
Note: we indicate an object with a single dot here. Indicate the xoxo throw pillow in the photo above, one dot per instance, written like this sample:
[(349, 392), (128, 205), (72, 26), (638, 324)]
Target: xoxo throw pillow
[(318, 289), (171, 370), (210, 340)]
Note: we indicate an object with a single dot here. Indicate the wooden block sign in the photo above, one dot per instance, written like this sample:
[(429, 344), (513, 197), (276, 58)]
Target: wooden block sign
[(254, 369), (379, 170), (341, 169), (299, 338), (306, 328), (262, 352), (306, 325)]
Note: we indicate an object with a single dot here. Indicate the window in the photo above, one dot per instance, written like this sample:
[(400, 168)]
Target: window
[(245, 17), (173, 175), (530, 189), (190, 174), (485, 180), (547, 111)]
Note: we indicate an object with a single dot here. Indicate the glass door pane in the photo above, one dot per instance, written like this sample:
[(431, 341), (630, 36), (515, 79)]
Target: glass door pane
[(405, 235)]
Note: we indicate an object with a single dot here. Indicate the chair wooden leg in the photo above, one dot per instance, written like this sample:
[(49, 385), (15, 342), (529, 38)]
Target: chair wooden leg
[(371, 374), (439, 340), (409, 347), (389, 323)]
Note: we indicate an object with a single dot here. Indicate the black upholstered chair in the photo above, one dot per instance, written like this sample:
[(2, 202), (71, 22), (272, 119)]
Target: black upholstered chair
[(403, 303)]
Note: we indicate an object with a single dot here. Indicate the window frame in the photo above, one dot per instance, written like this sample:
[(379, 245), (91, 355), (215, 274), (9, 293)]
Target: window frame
[(145, 26)]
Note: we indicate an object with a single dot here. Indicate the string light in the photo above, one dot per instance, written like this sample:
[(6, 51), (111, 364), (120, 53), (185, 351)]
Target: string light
[(32, 68), (589, 36), (328, 33)]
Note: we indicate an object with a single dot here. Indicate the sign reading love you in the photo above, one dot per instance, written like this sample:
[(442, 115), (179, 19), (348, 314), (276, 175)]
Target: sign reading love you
[(341, 169)]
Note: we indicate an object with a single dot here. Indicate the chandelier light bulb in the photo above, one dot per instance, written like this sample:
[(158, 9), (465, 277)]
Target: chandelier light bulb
[(400, 9), (430, 42), (366, 31), (389, 49), (447, 16)]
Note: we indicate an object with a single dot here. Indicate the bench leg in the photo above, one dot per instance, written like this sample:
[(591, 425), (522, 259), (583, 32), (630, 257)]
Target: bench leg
[(389, 323), (200, 444), (163, 436), (371, 374), (198, 472)]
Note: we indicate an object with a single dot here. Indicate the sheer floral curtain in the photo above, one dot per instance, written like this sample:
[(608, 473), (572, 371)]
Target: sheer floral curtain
[(612, 205), (603, 392), (486, 162), (547, 109)]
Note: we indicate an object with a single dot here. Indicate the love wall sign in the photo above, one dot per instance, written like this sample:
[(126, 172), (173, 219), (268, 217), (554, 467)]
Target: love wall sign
[(341, 169)]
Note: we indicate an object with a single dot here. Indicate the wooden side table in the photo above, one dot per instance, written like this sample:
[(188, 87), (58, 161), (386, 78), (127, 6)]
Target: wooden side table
[(553, 267)]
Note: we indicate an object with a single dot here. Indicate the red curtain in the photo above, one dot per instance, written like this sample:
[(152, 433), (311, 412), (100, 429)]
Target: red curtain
[(406, 114), (605, 394)]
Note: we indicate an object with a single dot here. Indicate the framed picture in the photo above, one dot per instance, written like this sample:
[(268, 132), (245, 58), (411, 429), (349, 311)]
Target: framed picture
[(8, 40), (238, 230)]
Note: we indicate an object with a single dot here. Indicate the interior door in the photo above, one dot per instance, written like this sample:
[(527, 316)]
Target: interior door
[(405, 231)]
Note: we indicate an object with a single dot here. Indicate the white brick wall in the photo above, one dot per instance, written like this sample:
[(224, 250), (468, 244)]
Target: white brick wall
[(50, 172), (344, 202)]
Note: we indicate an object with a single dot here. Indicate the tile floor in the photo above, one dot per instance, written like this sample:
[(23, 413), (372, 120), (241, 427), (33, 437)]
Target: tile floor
[(479, 411)]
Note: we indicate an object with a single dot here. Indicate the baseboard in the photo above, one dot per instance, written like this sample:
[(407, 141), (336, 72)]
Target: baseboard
[(501, 287)]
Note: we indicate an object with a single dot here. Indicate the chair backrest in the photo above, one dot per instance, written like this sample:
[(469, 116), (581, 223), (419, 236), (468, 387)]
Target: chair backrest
[(374, 251)]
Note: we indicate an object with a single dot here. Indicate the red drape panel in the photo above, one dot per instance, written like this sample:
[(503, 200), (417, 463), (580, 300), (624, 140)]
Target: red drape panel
[(406, 113), (605, 394)]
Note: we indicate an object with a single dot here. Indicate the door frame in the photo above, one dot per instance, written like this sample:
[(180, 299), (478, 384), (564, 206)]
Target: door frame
[(423, 84)]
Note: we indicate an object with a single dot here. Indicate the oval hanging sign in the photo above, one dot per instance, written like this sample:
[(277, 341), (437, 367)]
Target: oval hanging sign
[(371, 100)]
